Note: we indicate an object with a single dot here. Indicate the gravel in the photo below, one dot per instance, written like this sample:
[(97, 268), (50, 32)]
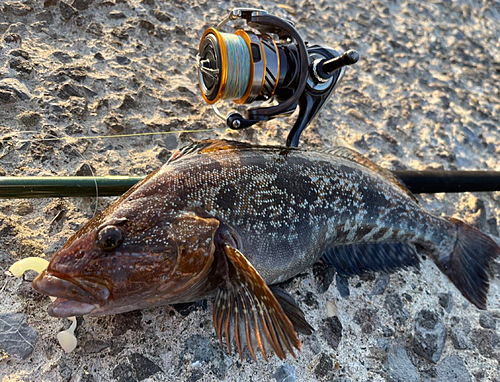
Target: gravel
[(424, 95)]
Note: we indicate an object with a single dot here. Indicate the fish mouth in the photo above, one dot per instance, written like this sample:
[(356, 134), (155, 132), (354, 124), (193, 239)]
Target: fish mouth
[(74, 297), (62, 307)]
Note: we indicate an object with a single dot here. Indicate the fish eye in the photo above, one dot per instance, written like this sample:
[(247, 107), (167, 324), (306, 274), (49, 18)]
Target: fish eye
[(109, 238)]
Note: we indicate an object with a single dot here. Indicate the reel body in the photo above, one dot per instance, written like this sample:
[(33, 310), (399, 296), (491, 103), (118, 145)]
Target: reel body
[(247, 66)]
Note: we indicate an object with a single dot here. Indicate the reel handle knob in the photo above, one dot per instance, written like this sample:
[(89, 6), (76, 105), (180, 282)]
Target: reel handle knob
[(326, 68), (236, 121)]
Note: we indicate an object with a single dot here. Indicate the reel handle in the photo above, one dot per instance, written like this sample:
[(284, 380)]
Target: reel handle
[(320, 86), (326, 68)]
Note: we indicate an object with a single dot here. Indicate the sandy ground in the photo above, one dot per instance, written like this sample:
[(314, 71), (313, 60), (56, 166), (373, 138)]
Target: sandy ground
[(424, 95)]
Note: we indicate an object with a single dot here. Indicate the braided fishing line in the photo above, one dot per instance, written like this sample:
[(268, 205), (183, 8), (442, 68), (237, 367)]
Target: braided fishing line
[(238, 66)]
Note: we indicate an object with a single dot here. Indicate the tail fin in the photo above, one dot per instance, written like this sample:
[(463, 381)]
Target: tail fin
[(468, 264)]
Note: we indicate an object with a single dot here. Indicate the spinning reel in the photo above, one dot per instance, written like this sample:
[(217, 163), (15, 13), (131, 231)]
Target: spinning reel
[(246, 66)]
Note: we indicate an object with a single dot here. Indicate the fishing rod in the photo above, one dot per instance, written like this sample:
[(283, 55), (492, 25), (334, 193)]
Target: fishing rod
[(270, 63), (418, 182)]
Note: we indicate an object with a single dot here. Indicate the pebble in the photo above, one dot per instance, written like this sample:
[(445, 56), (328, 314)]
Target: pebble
[(446, 301), (399, 366), (69, 90), (95, 28), (16, 87), (67, 10), (24, 208), (16, 336), (310, 300), (395, 307), (7, 96), (367, 319), (331, 309), (82, 5), (30, 119), (331, 331), (65, 371), (94, 346), (380, 284), (323, 275), (285, 373), (487, 342), (429, 336), (122, 60), (195, 376), (452, 368), (128, 101), (459, 333), (324, 367), (123, 372), (21, 66), (143, 367), (162, 16), (125, 322), (12, 38), (342, 284), (145, 24), (137, 368), (85, 170), (200, 349), (87, 377), (116, 15), (356, 114), (312, 343), (20, 53), (64, 57), (488, 320), (16, 8), (17, 28)]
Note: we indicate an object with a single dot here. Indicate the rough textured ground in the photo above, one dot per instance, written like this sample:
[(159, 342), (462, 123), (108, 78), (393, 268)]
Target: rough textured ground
[(424, 95)]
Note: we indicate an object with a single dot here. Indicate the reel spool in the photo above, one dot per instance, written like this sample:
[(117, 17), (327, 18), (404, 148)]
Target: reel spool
[(272, 63)]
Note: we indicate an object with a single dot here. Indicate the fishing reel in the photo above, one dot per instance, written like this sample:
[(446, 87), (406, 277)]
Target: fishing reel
[(271, 64)]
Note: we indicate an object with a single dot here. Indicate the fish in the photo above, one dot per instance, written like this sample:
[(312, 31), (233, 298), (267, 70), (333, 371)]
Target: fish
[(229, 220)]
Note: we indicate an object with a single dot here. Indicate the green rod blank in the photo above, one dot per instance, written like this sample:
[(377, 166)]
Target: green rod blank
[(63, 186)]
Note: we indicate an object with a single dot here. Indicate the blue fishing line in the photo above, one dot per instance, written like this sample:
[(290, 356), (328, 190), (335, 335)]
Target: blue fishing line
[(238, 68)]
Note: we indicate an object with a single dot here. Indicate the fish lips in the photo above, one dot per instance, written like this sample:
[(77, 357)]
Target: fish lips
[(74, 298)]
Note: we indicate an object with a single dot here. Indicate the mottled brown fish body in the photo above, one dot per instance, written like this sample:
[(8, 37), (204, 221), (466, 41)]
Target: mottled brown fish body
[(288, 206), (228, 219)]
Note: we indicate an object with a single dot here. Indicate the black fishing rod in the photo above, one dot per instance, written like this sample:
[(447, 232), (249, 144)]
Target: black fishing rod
[(417, 182)]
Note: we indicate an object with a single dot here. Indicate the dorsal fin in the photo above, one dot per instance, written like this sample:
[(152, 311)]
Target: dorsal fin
[(207, 146), (354, 156)]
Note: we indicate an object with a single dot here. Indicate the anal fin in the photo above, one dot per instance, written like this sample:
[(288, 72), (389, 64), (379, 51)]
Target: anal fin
[(245, 305), (356, 259)]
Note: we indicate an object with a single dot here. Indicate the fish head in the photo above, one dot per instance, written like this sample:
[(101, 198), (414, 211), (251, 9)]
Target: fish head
[(130, 261)]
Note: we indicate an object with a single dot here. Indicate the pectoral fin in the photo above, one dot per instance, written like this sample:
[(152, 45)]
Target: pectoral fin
[(245, 305)]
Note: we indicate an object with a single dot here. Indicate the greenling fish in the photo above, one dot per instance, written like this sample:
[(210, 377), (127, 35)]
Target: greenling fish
[(227, 220)]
